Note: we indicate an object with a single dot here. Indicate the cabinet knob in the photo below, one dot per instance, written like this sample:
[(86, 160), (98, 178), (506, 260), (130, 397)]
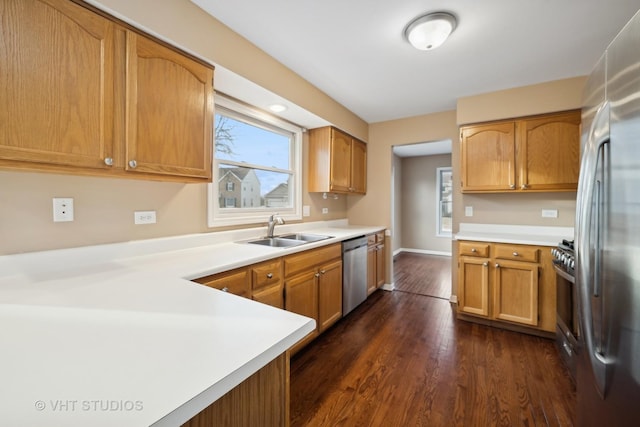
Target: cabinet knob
[(269, 275), (322, 271), (524, 186), (133, 164), (516, 254), (108, 161), (474, 250), (317, 274), (225, 289), (497, 265), (512, 186), (485, 264)]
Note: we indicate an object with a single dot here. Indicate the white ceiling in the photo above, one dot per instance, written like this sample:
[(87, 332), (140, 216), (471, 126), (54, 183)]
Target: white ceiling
[(354, 50)]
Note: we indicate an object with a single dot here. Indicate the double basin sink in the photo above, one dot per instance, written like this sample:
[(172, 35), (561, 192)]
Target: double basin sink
[(289, 240)]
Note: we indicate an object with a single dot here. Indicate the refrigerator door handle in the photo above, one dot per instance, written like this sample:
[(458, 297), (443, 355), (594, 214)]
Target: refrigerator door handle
[(588, 278)]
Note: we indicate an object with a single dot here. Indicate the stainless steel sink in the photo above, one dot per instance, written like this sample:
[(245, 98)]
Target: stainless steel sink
[(305, 237), (289, 240), (277, 242)]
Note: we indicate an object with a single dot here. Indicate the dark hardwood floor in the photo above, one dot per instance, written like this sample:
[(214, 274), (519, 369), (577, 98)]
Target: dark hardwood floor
[(402, 359), (423, 274)]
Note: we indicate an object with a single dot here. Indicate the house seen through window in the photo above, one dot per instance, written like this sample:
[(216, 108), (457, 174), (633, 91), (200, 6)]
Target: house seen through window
[(257, 161)]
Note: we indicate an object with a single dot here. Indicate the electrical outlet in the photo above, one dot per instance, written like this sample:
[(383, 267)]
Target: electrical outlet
[(325, 210), (144, 217), (549, 213), (62, 209)]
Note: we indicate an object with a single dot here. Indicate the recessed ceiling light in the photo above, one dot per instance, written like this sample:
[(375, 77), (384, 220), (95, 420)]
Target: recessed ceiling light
[(277, 108)]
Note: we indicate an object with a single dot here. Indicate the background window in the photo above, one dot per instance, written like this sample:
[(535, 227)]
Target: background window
[(263, 154), (445, 202)]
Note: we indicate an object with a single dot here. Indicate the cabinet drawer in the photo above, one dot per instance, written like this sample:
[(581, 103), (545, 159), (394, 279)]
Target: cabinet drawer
[(473, 249), (517, 253), (266, 274), (306, 260), (371, 239), (234, 281), (380, 237)]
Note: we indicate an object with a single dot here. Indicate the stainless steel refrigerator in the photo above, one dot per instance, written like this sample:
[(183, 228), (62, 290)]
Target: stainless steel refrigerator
[(608, 238)]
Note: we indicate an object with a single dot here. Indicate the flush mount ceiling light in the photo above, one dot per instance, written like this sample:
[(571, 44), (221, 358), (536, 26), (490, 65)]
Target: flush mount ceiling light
[(277, 108), (429, 31)]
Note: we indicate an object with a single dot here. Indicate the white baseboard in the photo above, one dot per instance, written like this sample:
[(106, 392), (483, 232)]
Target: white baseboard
[(388, 287), (421, 251)]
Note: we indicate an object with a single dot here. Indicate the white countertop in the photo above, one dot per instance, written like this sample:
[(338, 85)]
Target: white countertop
[(518, 234), (117, 335)]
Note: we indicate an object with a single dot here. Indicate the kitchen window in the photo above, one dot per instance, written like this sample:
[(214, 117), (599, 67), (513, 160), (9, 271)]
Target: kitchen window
[(444, 203), (257, 160)]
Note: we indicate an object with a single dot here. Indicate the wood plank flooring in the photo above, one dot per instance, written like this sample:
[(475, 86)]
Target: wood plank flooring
[(402, 359), (423, 274)]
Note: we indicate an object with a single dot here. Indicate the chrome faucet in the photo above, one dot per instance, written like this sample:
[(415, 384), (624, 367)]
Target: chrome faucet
[(271, 225)]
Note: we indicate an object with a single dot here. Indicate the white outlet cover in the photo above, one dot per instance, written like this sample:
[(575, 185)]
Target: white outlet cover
[(325, 210), (306, 210), (549, 213), (468, 211), (62, 209), (144, 217)]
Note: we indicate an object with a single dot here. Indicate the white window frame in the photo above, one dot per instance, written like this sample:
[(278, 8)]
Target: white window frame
[(439, 172), (220, 217)]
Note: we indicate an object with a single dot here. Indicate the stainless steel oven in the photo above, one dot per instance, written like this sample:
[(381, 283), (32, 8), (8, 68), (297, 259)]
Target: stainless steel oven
[(567, 324)]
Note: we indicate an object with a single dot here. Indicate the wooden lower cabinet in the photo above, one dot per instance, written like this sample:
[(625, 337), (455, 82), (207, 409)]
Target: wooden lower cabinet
[(237, 282), (260, 400), (313, 287), (375, 262), (507, 285)]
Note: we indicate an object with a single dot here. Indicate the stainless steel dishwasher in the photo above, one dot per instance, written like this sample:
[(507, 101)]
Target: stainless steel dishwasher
[(354, 276)]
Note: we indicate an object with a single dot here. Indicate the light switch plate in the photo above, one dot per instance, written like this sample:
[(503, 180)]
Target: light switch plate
[(468, 211), (306, 210)]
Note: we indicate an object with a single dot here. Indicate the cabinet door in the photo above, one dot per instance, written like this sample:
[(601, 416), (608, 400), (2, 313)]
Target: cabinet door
[(301, 297), (271, 296), (340, 164), (380, 266), (372, 278), (515, 291), (358, 167), (488, 157), (169, 111), (473, 286), (56, 84), (329, 295), (549, 152)]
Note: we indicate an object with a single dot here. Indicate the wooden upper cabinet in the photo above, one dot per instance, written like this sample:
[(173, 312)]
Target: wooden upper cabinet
[(337, 162), (81, 92), (358, 167), (539, 153), (56, 90), (169, 111), (549, 152), (488, 157)]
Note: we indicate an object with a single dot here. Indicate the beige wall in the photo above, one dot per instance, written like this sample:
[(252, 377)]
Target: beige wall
[(104, 206), (419, 203)]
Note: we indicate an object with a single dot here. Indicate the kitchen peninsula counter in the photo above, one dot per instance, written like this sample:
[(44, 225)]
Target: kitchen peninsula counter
[(118, 335)]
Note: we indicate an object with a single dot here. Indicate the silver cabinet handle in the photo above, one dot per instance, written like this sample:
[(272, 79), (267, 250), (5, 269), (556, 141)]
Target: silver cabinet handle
[(133, 164), (512, 186), (485, 264), (322, 271), (516, 254), (108, 161), (497, 265), (474, 250), (524, 186), (225, 289), (317, 274), (269, 275)]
